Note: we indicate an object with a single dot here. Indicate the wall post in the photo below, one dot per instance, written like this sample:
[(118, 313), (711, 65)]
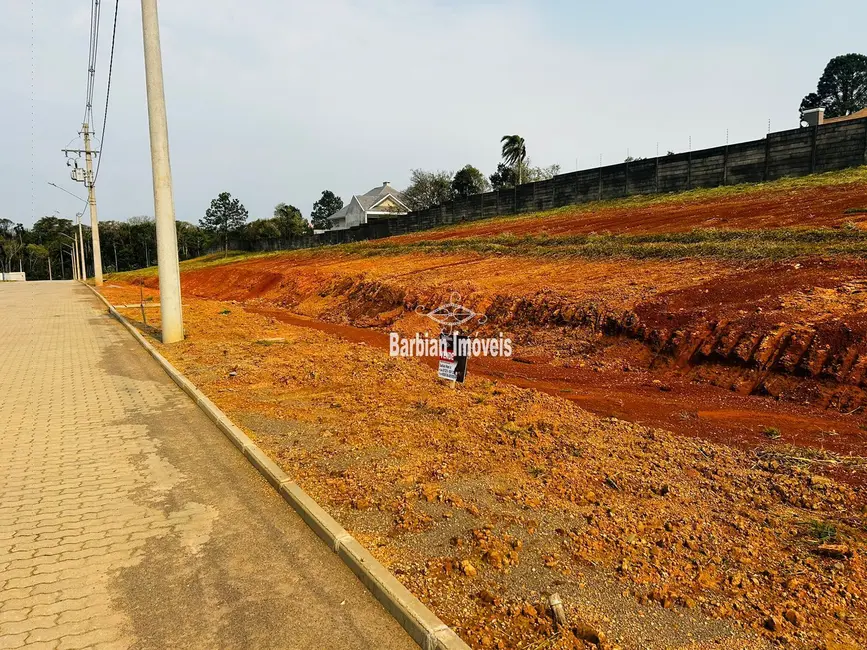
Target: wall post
[(865, 141), (626, 190), (689, 171)]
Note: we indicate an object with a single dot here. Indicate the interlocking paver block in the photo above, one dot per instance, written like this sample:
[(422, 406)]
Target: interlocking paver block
[(106, 469)]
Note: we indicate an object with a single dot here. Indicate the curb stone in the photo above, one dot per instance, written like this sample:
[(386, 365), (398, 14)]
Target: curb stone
[(422, 625)]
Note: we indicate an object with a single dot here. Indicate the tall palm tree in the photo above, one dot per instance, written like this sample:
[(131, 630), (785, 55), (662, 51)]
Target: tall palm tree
[(514, 152)]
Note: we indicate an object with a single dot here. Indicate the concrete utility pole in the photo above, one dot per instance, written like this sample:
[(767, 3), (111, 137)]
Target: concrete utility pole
[(83, 276), (71, 254), (91, 200), (164, 207)]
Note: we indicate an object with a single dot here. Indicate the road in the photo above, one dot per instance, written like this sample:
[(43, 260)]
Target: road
[(127, 520)]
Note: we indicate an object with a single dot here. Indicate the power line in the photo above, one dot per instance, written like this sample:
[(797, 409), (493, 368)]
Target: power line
[(91, 60), (107, 89), (85, 201)]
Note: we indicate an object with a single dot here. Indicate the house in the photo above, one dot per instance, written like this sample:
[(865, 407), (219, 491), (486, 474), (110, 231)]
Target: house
[(816, 116), (381, 202)]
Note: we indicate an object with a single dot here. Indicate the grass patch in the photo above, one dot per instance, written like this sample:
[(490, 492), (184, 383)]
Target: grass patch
[(701, 195), (767, 244), (822, 531), (203, 262)]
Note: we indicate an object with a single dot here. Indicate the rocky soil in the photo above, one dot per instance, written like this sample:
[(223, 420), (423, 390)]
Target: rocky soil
[(486, 499)]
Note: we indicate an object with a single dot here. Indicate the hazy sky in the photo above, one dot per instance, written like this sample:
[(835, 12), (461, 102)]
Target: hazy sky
[(276, 100)]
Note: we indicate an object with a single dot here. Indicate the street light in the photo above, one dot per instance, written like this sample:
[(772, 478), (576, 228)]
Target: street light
[(71, 253), (81, 248), (74, 240)]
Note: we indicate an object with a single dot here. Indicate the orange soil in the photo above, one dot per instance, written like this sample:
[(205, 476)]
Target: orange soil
[(508, 475), (624, 338), (483, 498), (805, 207)]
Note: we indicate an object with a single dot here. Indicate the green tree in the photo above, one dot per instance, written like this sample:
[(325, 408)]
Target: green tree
[(504, 178), (191, 240), (289, 221), (534, 174), (427, 189), (842, 88), (469, 181), (262, 229), (327, 205), (36, 254), (514, 152), (226, 215)]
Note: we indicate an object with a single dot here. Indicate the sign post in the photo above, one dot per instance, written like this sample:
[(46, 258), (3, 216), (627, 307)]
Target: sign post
[(453, 357)]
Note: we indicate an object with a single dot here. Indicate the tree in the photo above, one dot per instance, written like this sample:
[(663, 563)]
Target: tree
[(535, 174), (469, 181), (11, 242), (262, 229), (190, 240), (514, 152), (504, 178), (324, 208), (842, 88), (427, 189), (289, 221), (226, 215), (36, 253)]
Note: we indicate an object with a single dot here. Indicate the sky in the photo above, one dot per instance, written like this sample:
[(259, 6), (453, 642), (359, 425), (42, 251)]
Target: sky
[(277, 100)]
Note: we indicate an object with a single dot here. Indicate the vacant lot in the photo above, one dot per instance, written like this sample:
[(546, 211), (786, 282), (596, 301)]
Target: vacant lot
[(677, 448)]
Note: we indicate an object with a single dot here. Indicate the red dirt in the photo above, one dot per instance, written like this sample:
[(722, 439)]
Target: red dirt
[(679, 405), (803, 207), (695, 347)]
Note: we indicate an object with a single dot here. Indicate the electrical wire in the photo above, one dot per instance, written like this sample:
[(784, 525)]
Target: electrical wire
[(108, 88), (91, 60)]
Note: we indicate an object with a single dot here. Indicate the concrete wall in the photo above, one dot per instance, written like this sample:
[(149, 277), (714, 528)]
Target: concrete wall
[(797, 152), (13, 277)]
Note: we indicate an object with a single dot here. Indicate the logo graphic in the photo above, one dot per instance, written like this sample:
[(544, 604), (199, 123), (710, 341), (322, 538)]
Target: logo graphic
[(452, 313), (451, 347)]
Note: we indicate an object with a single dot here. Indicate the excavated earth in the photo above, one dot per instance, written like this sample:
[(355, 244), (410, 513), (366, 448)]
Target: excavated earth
[(676, 448)]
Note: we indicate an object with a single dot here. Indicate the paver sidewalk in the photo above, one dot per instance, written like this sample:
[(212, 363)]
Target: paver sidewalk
[(127, 520)]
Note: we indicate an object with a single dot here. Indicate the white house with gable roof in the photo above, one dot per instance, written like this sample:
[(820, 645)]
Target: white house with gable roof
[(381, 202)]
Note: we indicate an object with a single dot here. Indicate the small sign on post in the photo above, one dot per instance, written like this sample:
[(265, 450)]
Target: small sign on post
[(453, 357)]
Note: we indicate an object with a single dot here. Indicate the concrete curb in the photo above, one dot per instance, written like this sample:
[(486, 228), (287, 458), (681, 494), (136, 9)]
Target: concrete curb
[(428, 631)]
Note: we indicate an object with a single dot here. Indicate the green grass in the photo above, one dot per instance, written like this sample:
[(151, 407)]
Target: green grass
[(822, 531), (745, 245), (702, 195), (734, 245), (205, 261), (767, 244), (773, 433)]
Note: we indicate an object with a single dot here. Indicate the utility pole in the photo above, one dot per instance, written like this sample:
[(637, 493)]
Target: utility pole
[(164, 207), (83, 276), (91, 200), (49, 267)]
